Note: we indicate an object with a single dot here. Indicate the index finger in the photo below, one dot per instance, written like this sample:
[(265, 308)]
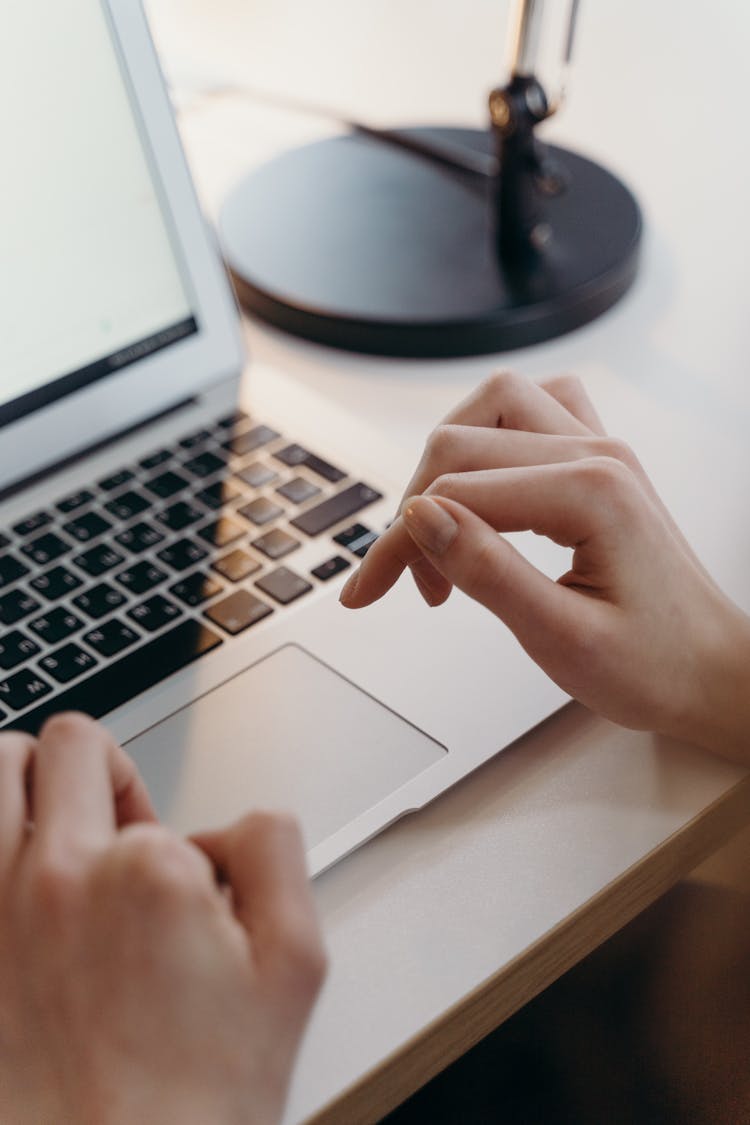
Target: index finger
[(84, 785)]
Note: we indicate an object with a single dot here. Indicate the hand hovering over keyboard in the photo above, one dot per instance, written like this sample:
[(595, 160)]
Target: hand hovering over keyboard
[(133, 988), (636, 630)]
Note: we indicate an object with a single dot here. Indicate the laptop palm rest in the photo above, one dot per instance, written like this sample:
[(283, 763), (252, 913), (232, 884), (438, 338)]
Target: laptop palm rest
[(286, 733)]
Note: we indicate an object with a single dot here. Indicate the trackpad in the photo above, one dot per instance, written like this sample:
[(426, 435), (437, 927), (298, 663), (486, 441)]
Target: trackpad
[(287, 733)]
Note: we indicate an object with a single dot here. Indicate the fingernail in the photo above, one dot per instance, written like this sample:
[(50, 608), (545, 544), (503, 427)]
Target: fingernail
[(430, 525), (350, 587)]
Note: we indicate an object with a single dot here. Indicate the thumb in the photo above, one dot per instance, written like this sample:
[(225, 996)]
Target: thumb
[(475, 558)]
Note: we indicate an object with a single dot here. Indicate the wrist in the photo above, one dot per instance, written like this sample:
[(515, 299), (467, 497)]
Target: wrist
[(718, 717)]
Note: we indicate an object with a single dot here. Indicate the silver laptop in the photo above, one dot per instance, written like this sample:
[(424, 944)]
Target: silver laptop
[(171, 547)]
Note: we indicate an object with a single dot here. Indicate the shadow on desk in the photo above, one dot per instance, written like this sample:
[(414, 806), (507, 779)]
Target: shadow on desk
[(652, 1029)]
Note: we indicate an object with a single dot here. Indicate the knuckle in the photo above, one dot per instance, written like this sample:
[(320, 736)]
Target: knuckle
[(619, 450), (499, 382), (441, 444), (447, 484), (154, 862), (604, 474), (609, 483), (484, 564), (55, 886)]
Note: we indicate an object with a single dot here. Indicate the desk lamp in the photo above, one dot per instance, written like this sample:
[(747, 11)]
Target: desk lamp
[(438, 241)]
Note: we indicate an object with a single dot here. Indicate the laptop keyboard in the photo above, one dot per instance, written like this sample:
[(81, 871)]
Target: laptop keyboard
[(118, 585)]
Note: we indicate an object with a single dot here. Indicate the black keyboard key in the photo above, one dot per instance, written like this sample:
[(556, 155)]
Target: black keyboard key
[(128, 504), (160, 457), (276, 543), (218, 494), (350, 535), (283, 585), (55, 583), (15, 648), (236, 418), (23, 689), (116, 480), (221, 532), (11, 569), (182, 554), (139, 538), (238, 612), (32, 524), (261, 511), (362, 548), (166, 484), (192, 441), (141, 577), (74, 501), (111, 638), (56, 625), (250, 440), (324, 469), (45, 548), (99, 601), (358, 539), (127, 677), (180, 515), (196, 588), (154, 613), (330, 568), (294, 455), (298, 490), (4, 541), (256, 474), (86, 527), (336, 508), (236, 565), (98, 560), (204, 465), (15, 605), (67, 663)]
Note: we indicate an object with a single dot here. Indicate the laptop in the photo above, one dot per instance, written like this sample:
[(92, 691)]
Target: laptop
[(172, 542)]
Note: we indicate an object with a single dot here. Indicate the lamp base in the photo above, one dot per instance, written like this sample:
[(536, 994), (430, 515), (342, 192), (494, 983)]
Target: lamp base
[(357, 244)]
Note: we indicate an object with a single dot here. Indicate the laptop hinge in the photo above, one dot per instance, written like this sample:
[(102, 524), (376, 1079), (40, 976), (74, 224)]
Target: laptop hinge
[(95, 447)]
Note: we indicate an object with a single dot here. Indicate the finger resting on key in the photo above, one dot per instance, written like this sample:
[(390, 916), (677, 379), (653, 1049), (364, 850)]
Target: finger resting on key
[(84, 785), (383, 565)]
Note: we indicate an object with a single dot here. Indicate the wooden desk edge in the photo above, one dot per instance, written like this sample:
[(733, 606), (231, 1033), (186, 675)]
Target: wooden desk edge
[(502, 994)]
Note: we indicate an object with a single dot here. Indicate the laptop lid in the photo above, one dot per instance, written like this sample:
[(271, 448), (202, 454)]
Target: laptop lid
[(114, 305)]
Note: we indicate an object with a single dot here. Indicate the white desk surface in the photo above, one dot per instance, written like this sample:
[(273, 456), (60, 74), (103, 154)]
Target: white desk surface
[(442, 926)]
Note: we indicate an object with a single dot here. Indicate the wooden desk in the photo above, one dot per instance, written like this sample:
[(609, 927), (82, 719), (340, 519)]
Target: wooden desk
[(454, 918)]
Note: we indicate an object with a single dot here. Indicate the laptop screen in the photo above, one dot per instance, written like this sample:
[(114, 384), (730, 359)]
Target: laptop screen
[(91, 278)]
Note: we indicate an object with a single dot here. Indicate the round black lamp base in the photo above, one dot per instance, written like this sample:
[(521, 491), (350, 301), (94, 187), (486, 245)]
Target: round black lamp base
[(361, 245)]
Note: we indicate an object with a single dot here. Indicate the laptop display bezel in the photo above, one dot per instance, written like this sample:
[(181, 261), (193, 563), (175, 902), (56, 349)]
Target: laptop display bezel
[(150, 385)]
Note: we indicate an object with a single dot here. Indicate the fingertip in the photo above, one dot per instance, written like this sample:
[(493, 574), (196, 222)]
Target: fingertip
[(348, 595)]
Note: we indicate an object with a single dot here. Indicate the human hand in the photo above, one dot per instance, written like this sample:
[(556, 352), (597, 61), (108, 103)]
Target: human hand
[(132, 986), (636, 629)]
